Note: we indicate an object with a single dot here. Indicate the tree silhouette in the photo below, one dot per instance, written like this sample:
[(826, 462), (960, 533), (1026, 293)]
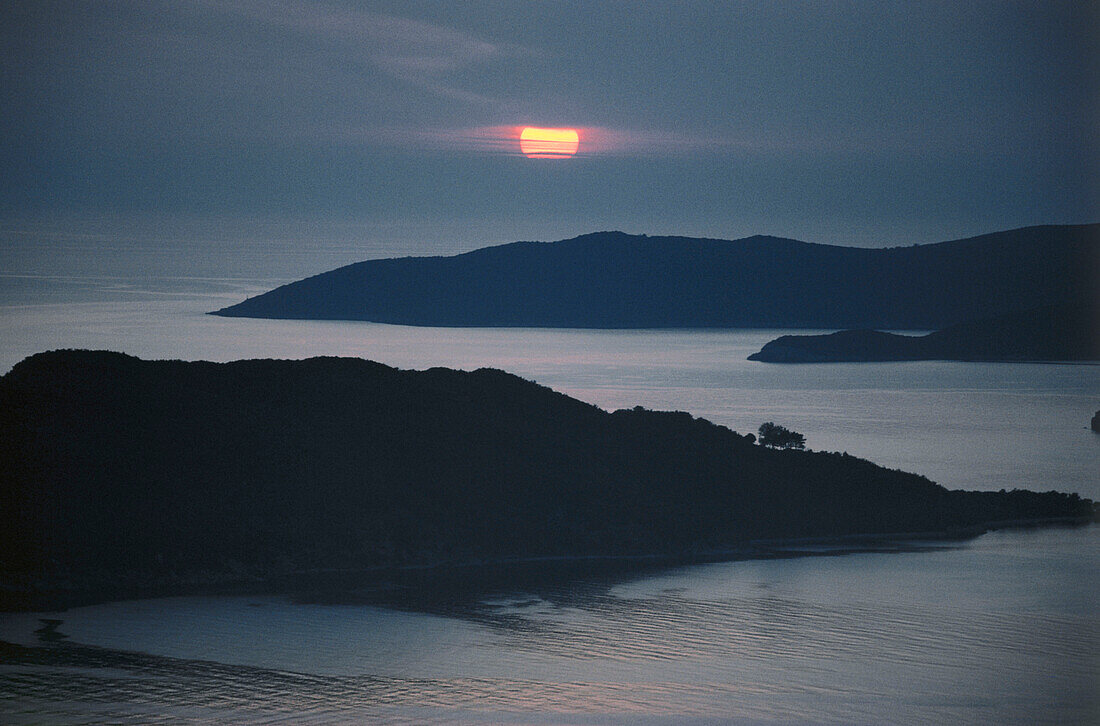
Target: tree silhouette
[(779, 437)]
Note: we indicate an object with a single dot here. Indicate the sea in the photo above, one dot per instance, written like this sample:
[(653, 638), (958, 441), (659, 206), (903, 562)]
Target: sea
[(998, 629)]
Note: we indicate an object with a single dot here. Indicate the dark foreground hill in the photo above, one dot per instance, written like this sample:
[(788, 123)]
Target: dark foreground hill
[(116, 470), (1050, 333), (616, 280)]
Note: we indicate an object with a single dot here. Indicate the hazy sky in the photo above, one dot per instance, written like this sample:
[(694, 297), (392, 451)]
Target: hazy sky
[(853, 122)]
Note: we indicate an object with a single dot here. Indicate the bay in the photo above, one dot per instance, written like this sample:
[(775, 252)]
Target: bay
[(1000, 629)]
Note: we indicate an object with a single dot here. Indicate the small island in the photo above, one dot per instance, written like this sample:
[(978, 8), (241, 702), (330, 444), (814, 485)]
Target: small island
[(121, 477), (1065, 332)]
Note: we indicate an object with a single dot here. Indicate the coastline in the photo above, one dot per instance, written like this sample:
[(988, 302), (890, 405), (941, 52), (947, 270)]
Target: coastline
[(47, 595)]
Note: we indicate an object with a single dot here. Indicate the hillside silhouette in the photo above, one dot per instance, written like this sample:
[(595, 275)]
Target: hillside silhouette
[(1050, 333), (617, 280), (118, 470)]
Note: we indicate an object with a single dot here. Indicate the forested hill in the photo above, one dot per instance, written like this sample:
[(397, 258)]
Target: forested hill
[(113, 468), (617, 280)]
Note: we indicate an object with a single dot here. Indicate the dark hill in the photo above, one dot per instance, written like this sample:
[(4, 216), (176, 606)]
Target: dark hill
[(117, 470), (1050, 333), (616, 280)]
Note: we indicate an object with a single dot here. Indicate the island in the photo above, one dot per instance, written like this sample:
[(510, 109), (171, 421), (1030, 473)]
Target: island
[(1069, 332), (617, 280), (126, 477)]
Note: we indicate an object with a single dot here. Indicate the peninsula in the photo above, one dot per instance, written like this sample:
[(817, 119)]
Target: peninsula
[(1050, 333), (120, 476), (617, 280)]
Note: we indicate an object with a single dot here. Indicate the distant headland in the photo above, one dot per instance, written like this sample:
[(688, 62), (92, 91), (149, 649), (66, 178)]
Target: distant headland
[(121, 477), (617, 280), (1050, 333)]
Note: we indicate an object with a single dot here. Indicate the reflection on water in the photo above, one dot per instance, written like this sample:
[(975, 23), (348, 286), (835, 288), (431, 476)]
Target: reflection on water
[(998, 630), (1002, 630)]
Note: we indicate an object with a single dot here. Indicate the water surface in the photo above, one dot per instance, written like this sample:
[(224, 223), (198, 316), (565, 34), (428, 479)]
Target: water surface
[(998, 630), (1001, 629)]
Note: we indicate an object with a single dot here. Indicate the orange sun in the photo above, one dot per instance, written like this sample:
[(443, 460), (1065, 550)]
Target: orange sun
[(536, 143)]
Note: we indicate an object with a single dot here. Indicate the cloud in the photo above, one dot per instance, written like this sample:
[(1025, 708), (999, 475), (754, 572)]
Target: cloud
[(429, 57), (595, 141), (479, 139)]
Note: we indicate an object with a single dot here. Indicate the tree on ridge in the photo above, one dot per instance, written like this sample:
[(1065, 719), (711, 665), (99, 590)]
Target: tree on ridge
[(779, 437)]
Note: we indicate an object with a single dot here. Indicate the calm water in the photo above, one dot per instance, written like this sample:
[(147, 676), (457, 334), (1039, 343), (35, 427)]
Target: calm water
[(999, 630)]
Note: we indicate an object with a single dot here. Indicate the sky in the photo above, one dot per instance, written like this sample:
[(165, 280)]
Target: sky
[(872, 124)]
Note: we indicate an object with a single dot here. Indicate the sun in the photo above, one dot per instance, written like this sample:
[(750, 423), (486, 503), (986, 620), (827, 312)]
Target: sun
[(536, 143)]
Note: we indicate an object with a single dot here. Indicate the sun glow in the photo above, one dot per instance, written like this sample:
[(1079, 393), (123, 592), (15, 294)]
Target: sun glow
[(536, 143)]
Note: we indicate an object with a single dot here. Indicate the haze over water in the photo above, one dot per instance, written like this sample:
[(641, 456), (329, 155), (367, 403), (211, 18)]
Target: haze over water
[(164, 159)]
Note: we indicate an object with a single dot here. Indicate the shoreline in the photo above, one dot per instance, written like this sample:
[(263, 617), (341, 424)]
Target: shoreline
[(46, 597)]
